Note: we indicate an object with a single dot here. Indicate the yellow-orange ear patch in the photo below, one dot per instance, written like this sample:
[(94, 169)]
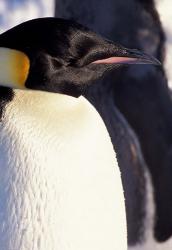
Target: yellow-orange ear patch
[(21, 67), (14, 68)]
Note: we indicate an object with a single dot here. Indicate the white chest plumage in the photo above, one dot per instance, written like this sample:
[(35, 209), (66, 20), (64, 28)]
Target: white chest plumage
[(60, 186)]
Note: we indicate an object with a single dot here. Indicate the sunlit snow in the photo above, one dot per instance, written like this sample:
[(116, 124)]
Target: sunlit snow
[(13, 12)]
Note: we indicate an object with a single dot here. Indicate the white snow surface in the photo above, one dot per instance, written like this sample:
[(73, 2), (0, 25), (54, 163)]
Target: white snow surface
[(13, 12)]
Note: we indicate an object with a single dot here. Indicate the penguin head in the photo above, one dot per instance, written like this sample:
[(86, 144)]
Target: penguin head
[(58, 55)]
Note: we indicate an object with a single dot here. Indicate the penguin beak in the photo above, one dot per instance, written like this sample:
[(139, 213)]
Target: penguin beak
[(14, 68), (128, 56)]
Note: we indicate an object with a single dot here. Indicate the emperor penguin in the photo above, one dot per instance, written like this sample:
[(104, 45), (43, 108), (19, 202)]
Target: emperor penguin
[(60, 185)]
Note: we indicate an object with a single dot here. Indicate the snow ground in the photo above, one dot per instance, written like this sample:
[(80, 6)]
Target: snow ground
[(13, 12), (165, 11)]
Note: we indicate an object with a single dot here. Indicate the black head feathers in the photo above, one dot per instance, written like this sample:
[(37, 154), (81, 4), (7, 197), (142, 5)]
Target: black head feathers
[(60, 56)]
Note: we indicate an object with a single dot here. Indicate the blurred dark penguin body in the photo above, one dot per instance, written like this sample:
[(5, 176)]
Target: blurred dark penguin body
[(141, 95), (52, 196)]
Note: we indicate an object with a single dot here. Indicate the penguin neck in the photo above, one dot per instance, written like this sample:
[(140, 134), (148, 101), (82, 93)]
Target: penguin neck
[(45, 111)]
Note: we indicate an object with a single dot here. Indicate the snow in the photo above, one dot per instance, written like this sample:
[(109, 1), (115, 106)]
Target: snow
[(13, 12)]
